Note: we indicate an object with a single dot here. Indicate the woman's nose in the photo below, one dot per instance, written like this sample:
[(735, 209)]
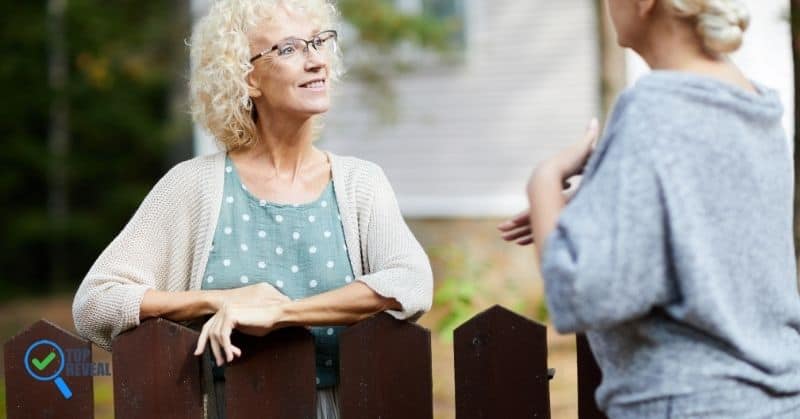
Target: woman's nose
[(315, 59)]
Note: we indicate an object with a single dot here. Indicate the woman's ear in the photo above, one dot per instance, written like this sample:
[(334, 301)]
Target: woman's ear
[(644, 8), (252, 85)]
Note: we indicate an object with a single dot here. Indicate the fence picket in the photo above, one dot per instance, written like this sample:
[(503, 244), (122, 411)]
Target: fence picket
[(51, 352), (501, 367), (156, 374), (274, 378), (589, 377), (385, 370)]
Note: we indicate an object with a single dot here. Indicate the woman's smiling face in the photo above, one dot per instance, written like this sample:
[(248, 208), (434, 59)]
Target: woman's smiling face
[(289, 81)]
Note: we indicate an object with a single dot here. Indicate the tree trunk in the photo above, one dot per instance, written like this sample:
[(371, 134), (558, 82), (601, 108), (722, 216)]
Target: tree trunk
[(613, 76), (795, 25), (179, 128), (58, 141)]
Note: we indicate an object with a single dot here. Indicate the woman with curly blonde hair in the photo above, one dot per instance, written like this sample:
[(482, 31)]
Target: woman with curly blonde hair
[(675, 255), (270, 232)]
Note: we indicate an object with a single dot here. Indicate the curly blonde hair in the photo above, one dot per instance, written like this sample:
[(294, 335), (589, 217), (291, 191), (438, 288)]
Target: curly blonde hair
[(720, 23), (220, 62)]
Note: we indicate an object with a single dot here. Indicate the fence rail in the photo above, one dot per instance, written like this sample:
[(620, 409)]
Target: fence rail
[(385, 372)]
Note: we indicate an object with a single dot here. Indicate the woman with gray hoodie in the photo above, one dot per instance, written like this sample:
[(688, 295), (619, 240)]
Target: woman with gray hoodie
[(675, 255)]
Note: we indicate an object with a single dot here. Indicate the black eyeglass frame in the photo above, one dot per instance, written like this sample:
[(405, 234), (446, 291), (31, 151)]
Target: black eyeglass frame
[(312, 42)]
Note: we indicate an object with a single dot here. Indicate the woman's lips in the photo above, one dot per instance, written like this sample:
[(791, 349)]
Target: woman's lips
[(317, 85)]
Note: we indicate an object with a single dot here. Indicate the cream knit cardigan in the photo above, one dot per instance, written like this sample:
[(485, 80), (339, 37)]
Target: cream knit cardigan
[(167, 242)]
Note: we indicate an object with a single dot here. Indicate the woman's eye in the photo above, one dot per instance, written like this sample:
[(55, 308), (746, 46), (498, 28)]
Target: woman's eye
[(286, 50)]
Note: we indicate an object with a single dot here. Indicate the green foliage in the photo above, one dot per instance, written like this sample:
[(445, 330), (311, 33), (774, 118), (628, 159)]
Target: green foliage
[(465, 288), (122, 61), (381, 30), (2, 394), (381, 25), (460, 288)]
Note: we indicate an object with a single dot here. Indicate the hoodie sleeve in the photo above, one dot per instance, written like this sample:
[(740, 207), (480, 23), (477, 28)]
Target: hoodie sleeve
[(607, 260)]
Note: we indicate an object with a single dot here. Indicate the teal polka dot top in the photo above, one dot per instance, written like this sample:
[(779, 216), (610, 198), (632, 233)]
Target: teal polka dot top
[(297, 248)]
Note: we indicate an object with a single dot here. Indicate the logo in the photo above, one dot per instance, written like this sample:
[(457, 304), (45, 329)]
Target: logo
[(45, 360), (40, 358)]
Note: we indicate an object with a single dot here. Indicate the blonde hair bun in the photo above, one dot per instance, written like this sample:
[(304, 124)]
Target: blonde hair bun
[(720, 23)]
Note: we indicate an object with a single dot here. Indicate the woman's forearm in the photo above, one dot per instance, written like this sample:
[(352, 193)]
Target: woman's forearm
[(342, 306), (546, 202), (178, 305)]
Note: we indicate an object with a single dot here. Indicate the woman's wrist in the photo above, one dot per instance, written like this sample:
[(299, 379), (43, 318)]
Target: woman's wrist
[(553, 168), (212, 300), (547, 172), (287, 314)]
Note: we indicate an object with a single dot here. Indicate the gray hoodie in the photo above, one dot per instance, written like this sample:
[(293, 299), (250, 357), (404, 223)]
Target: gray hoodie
[(676, 255)]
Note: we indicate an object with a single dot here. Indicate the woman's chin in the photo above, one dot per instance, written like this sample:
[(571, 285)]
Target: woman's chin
[(312, 110)]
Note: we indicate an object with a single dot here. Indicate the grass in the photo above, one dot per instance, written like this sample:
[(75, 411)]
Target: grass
[(3, 395)]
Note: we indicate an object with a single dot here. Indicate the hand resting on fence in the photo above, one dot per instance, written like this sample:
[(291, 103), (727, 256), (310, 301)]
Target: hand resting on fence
[(341, 306)]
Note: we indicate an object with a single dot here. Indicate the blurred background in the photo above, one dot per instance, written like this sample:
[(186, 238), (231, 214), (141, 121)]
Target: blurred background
[(456, 99)]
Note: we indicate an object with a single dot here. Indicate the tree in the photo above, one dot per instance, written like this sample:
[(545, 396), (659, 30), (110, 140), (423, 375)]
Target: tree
[(794, 13)]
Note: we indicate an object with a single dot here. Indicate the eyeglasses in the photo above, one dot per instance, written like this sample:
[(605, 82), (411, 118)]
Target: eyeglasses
[(324, 41)]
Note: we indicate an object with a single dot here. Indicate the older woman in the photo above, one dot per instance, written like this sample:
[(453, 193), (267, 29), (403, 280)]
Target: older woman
[(272, 232)]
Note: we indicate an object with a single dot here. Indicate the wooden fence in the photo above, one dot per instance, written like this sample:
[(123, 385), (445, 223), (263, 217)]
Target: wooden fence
[(385, 372)]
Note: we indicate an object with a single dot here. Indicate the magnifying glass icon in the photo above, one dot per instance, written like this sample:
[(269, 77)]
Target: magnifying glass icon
[(42, 364)]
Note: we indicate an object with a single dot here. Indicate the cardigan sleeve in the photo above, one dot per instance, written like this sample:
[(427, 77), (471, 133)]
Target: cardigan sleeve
[(397, 266), (607, 260), (144, 255)]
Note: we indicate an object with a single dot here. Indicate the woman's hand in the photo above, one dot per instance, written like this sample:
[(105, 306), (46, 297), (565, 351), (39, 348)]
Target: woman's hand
[(261, 293), (252, 319), (569, 163), (518, 228)]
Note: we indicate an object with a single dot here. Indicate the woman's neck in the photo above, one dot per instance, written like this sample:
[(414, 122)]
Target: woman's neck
[(680, 49), (284, 146)]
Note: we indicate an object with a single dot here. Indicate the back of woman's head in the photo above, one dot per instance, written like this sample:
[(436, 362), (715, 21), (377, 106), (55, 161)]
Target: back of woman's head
[(720, 23)]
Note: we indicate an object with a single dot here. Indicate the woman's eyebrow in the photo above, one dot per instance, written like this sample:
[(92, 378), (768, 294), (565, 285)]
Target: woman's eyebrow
[(288, 38)]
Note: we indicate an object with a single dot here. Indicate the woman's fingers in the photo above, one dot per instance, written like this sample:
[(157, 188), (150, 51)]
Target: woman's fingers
[(226, 341), (515, 234), (524, 241), (594, 128), (520, 219), (592, 132), (201, 341), (216, 350), (214, 338)]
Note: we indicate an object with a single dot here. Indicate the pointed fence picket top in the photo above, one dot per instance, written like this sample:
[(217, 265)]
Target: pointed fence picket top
[(501, 367), (589, 377), (156, 374), (46, 374), (274, 378), (385, 370)]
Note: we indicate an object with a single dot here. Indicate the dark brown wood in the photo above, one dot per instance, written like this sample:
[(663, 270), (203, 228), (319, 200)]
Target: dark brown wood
[(501, 367), (29, 398), (385, 370), (274, 378), (156, 374), (589, 377)]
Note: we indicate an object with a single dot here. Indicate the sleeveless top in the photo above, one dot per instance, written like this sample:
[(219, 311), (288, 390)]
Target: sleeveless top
[(297, 248)]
